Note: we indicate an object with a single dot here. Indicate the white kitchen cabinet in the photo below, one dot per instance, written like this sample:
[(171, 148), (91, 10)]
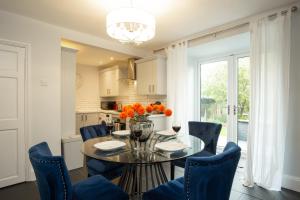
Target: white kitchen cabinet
[(151, 76), (86, 119), (79, 122), (91, 119), (112, 81)]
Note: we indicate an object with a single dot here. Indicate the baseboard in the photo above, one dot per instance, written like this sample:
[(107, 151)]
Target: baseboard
[(291, 182), (31, 176)]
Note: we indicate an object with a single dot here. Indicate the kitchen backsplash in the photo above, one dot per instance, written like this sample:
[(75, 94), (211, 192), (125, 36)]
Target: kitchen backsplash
[(88, 105), (132, 96), (87, 91)]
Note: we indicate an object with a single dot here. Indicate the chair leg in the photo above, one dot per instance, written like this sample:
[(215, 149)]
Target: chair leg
[(172, 171), (85, 169)]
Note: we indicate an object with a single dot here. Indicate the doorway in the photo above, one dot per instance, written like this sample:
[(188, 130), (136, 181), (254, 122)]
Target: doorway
[(224, 96), (14, 112)]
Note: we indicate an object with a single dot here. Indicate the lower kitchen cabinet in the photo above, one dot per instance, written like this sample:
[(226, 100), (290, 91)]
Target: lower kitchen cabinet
[(86, 119)]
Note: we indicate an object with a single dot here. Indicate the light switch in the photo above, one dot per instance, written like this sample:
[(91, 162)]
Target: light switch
[(43, 83)]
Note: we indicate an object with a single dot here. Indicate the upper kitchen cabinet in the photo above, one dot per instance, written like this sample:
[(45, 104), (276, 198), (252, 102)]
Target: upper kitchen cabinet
[(152, 76), (113, 81)]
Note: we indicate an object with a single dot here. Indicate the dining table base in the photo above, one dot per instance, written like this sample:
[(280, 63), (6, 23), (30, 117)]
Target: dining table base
[(139, 178)]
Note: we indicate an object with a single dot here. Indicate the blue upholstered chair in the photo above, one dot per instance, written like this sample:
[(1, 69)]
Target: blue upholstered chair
[(205, 178), (107, 169), (208, 133), (54, 182)]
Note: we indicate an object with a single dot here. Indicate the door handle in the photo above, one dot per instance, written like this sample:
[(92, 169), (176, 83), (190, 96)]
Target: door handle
[(81, 117), (235, 109), (85, 117), (153, 87), (149, 88), (228, 110)]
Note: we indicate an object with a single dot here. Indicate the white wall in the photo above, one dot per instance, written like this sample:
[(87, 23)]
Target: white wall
[(45, 122), (45, 66), (292, 154), (68, 93), (87, 88)]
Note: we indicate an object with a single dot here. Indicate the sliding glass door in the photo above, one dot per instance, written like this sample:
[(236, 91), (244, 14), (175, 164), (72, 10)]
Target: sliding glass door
[(224, 96)]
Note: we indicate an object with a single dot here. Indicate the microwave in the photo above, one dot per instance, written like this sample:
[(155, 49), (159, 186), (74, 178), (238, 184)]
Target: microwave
[(108, 105)]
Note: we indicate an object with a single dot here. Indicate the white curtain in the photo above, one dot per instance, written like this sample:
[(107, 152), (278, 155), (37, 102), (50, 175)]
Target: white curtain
[(270, 62), (179, 85)]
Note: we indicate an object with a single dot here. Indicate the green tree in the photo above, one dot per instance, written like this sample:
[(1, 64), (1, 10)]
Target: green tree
[(214, 78), (243, 88)]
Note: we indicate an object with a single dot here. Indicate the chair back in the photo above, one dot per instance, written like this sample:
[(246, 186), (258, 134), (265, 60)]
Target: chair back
[(89, 132), (208, 132), (51, 173), (211, 177)]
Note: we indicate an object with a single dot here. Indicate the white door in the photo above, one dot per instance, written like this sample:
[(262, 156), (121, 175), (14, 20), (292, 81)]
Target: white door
[(12, 145), (224, 96), (215, 95)]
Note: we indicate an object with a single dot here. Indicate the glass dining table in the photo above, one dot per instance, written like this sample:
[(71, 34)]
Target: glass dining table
[(143, 168)]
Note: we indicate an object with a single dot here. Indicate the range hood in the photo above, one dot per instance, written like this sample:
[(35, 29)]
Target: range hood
[(131, 69)]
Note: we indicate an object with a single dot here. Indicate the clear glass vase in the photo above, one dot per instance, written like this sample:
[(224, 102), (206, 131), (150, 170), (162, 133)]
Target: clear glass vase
[(140, 132)]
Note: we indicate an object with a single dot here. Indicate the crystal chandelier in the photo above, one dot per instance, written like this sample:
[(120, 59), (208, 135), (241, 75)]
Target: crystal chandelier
[(130, 25)]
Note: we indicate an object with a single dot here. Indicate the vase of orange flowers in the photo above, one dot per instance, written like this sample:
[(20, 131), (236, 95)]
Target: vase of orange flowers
[(141, 127)]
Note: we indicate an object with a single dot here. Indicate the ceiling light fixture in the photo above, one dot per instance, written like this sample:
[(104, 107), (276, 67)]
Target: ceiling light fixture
[(130, 25)]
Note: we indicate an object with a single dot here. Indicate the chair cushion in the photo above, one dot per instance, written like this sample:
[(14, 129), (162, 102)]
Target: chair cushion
[(181, 162), (97, 187), (173, 190), (101, 166)]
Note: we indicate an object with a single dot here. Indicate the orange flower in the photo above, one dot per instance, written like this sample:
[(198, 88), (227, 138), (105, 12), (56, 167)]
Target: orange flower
[(125, 108), (168, 112), (149, 108), (130, 113), (156, 107), (136, 106), (161, 108), (141, 110), (123, 115)]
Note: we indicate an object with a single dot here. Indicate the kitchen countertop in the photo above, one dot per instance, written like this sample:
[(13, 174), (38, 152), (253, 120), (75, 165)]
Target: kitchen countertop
[(98, 111), (112, 112), (156, 115), (87, 111)]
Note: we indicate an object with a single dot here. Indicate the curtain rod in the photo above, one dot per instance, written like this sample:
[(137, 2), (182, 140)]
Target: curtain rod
[(293, 9), (284, 12)]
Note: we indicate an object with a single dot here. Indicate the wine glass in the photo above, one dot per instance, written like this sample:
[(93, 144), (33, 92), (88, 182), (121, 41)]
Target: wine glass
[(109, 125), (137, 133), (176, 126)]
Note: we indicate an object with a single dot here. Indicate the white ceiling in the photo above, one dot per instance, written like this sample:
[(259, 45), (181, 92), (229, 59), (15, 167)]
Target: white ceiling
[(94, 56), (235, 44), (175, 18)]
